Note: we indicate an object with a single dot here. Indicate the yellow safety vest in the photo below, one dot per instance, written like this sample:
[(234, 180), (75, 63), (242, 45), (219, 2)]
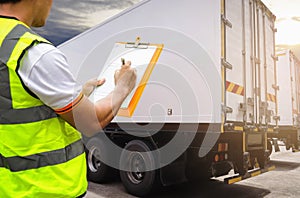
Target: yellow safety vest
[(41, 155)]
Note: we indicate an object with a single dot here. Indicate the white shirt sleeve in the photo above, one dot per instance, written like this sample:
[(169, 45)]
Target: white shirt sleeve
[(45, 71)]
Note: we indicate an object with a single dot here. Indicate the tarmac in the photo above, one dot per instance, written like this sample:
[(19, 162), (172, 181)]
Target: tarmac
[(283, 182)]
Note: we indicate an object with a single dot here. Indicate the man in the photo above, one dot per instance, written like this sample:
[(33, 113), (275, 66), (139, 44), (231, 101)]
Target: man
[(41, 154)]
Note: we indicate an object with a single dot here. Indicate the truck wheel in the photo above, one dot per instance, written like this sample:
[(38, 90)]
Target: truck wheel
[(97, 171), (242, 170), (261, 159), (242, 164), (137, 181), (269, 146)]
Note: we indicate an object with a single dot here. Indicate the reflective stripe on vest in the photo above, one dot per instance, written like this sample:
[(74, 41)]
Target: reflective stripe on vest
[(11, 40), (8, 115), (63, 155)]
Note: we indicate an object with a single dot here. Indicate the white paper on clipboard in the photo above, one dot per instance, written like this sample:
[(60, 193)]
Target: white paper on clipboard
[(142, 59)]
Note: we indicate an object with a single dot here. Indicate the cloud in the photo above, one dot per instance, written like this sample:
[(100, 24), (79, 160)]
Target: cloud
[(71, 17), (94, 5)]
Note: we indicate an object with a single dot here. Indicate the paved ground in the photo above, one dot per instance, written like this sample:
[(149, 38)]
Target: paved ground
[(283, 182)]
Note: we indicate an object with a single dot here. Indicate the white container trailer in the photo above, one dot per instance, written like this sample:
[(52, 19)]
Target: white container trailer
[(207, 105), (288, 73)]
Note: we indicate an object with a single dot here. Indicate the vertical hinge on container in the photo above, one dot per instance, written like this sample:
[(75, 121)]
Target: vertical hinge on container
[(243, 107), (270, 113), (276, 118), (227, 109), (258, 5), (275, 58), (276, 87), (226, 21), (226, 64), (263, 108), (273, 28), (250, 101), (264, 104), (257, 61)]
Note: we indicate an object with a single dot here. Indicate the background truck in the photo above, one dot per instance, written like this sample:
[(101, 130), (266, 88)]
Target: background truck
[(288, 96), (208, 104)]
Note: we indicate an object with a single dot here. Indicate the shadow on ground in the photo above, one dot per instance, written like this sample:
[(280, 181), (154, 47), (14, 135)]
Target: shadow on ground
[(213, 188)]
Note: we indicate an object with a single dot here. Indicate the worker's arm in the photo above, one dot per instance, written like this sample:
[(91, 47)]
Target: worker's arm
[(90, 118), (45, 71)]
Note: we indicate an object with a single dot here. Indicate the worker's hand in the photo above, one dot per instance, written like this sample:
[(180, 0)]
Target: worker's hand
[(90, 86), (125, 77)]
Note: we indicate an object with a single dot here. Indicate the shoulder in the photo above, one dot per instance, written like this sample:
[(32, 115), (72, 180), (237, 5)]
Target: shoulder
[(45, 71), (42, 49), (45, 53)]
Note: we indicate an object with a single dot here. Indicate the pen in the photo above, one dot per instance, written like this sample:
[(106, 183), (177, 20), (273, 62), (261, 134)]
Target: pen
[(123, 61)]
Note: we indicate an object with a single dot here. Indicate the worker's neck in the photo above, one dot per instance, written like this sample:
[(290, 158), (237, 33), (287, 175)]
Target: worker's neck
[(17, 10)]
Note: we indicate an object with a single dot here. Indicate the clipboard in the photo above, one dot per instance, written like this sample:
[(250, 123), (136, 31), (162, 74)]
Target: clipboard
[(143, 57)]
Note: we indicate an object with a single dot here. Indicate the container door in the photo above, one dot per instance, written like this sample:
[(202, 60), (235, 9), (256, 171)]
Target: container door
[(235, 58), (265, 88), (268, 105), (250, 73)]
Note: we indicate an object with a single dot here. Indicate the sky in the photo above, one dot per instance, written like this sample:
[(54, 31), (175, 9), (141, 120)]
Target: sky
[(71, 17), (287, 20), (287, 14)]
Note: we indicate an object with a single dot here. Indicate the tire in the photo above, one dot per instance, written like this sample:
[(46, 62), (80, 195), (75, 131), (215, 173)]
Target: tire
[(97, 171), (242, 165), (241, 170), (138, 182), (269, 147), (261, 159)]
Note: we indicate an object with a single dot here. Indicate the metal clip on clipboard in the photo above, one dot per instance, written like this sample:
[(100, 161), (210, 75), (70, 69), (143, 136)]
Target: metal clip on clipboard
[(137, 44)]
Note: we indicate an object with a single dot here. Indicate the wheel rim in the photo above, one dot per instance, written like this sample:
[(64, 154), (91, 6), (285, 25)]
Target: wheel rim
[(94, 162), (137, 166)]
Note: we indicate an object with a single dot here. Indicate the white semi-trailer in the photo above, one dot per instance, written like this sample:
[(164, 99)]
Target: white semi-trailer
[(208, 102), (288, 100)]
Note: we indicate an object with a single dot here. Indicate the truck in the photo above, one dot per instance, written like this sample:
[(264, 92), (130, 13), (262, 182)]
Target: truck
[(208, 104), (287, 130)]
